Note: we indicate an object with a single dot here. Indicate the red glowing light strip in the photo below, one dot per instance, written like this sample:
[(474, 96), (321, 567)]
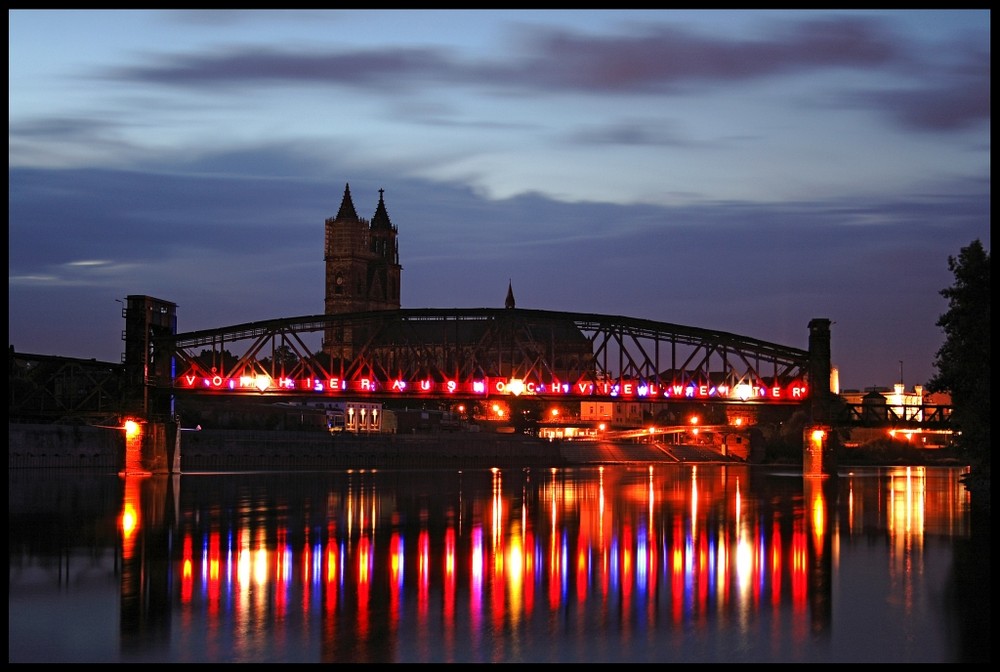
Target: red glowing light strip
[(625, 389)]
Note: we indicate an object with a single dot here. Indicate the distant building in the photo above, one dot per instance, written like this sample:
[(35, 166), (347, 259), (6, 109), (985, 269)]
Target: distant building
[(881, 404), (612, 413), (362, 268), (905, 405), (344, 416)]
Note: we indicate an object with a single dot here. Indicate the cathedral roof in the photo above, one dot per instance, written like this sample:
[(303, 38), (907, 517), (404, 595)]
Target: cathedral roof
[(381, 218), (347, 211)]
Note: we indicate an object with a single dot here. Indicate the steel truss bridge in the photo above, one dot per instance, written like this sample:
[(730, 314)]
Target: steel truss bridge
[(47, 389), (483, 353), (439, 355)]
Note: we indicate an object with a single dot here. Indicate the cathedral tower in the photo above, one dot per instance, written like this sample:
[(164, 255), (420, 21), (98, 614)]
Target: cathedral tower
[(362, 267)]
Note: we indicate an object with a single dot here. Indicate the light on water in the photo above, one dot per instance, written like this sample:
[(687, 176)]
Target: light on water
[(671, 563)]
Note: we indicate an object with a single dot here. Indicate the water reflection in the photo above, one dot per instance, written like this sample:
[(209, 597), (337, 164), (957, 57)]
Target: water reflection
[(672, 563)]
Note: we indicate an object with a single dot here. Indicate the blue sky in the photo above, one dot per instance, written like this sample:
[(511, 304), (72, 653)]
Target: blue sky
[(746, 171)]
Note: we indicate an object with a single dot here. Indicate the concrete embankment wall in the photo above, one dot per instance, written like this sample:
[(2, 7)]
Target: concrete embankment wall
[(222, 450), (60, 446), (53, 446)]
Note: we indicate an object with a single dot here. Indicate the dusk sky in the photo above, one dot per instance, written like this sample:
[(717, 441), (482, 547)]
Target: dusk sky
[(745, 171)]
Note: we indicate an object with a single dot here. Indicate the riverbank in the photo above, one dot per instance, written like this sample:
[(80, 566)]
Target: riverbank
[(55, 446)]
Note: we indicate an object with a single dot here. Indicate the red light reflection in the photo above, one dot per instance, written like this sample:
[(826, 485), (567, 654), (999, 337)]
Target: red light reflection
[(682, 543)]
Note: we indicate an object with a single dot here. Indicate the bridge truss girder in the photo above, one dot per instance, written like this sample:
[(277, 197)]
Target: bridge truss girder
[(47, 389), (461, 344)]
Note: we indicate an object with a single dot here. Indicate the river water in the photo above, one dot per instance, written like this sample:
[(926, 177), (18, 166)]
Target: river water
[(629, 563)]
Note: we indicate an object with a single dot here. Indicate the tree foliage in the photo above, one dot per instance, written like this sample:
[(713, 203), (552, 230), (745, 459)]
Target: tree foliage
[(963, 362), (217, 360), (284, 360)]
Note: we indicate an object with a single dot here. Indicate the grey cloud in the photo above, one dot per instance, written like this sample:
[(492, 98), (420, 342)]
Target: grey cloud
[(949, 109), (954, 99), (210, 18), (665, 57), (237, 67), (634, 132), (660, 59), (61, 216), (58, 127), (217, 18), (71, 131)]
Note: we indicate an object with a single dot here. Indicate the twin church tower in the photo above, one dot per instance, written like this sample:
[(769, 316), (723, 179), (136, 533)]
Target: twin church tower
[(362, 268), (362, 260)]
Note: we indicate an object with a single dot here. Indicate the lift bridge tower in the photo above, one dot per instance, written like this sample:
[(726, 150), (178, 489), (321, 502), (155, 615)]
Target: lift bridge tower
[(146, 319)]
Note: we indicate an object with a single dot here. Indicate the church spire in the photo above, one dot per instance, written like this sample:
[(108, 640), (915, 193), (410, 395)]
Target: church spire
[(510, 295), (347, 211), (381, 218)]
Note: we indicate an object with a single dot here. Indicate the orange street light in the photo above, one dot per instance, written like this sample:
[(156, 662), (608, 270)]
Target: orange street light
[(132, 429)]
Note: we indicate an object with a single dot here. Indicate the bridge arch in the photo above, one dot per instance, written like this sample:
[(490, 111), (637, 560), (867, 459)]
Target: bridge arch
[(470, 353)]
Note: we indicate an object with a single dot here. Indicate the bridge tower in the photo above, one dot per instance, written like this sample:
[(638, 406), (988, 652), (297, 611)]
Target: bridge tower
[(820, 441), (146, 319), (148, 367), (362, 268)]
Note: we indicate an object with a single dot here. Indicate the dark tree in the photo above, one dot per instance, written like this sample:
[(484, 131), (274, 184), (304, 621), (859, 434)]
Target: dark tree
[(285, 360), (217, 360), (963, 362)]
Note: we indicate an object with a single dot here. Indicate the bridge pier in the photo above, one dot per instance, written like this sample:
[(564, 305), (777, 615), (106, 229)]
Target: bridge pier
[(175, 462), (159, 450), (819, 451), (819, 441)]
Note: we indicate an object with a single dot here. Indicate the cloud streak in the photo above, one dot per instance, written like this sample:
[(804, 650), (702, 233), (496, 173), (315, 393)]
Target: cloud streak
[(661, 60)]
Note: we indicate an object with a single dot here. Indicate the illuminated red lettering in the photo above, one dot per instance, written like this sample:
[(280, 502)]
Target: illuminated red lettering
[(628, 389)]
